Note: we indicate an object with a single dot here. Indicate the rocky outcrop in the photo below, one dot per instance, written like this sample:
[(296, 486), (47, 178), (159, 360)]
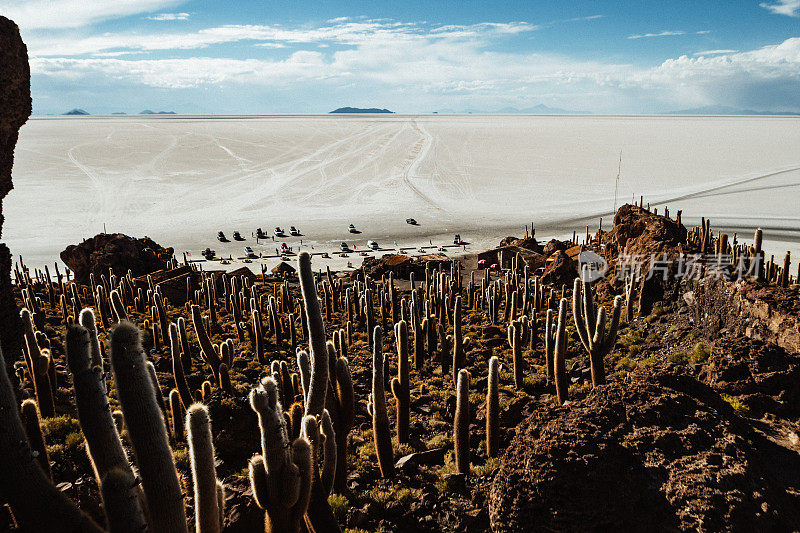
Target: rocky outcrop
[(15, 108), (117, 252), (402, 265), (637, 231), (746, 308), (763, 376), (560, 270), (658, 452)]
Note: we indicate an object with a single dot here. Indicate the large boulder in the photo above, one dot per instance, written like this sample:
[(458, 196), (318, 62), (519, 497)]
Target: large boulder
[(560, 269), (638, 231), (15, 108), (117, 252), (657, 452), (402, 265)]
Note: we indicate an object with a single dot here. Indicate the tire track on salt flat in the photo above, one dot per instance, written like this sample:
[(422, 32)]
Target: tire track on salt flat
[(419, 152)]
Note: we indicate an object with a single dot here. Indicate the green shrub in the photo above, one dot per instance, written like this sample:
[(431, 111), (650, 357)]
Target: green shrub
[(338, 505), (700, 353)]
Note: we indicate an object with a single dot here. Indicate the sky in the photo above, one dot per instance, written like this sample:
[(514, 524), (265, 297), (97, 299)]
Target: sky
[(260, 57)]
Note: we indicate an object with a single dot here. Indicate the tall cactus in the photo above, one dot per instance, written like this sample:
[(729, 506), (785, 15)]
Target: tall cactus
[(204, 473), (147, 431), (120, 492), (341, 403), (206, 347), (380, 419), (559, 354), (97, 423), (36, 503), (591, 326), (493, 409), (315, 399), (281, 476), (461, 423), (33, 429), (87, 320), (177, 368), (401, 385), (38, 367), (458, 340)]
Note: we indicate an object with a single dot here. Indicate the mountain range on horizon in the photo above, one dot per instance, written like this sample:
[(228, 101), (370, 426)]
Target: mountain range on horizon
[(725, 110), (539, 109)]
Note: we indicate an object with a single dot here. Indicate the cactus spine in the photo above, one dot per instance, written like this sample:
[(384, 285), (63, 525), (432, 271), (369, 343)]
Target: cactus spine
[(493, 408), (381, 433), (147, 431), (591, 326), (461, 423), (204, 473)]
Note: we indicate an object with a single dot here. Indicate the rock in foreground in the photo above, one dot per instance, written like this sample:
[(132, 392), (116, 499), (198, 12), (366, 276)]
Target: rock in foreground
[(658, 452)]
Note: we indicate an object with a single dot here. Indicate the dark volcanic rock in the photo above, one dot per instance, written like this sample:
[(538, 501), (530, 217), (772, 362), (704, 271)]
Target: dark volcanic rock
[(15, 108), (529, 243), (638, 231), (402, 265), (763, 375), (553, 246), (116, 251), (659, 452), (562, 270)]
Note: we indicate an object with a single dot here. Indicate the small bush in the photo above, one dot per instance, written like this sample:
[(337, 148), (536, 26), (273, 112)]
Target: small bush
[(680, 357), (738, 405), (700, 353), (338, 505)]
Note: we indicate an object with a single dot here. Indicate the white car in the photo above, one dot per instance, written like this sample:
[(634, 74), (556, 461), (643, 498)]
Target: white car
[(373, 245)]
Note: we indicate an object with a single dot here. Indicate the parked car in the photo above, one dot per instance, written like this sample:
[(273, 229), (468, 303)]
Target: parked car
[(250, 253), (373, 245)]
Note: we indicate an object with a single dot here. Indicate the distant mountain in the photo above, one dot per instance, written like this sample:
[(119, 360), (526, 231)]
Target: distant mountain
[(76, 111), (725, 110), (539, 109), (119, 113), (360, 110), (149, 112)]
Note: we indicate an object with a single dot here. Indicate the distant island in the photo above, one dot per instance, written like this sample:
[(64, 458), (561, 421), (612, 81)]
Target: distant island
[(725, 110), (76, 111), (149, 112), (360, 110)]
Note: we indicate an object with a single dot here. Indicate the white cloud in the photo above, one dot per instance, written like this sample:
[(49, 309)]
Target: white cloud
[(714, 52), (660, 34), (783, 7), (422, 63), (344, 33), (170, 16), (52, 14), (667, 34)]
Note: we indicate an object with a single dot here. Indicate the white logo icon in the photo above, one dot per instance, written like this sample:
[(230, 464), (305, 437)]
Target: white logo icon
[(591, 266)]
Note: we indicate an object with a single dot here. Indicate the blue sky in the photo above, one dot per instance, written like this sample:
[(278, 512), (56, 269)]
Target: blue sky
[(412, 56)]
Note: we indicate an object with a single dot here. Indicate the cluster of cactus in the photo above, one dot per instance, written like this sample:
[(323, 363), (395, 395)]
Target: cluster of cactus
[(590, 323)]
